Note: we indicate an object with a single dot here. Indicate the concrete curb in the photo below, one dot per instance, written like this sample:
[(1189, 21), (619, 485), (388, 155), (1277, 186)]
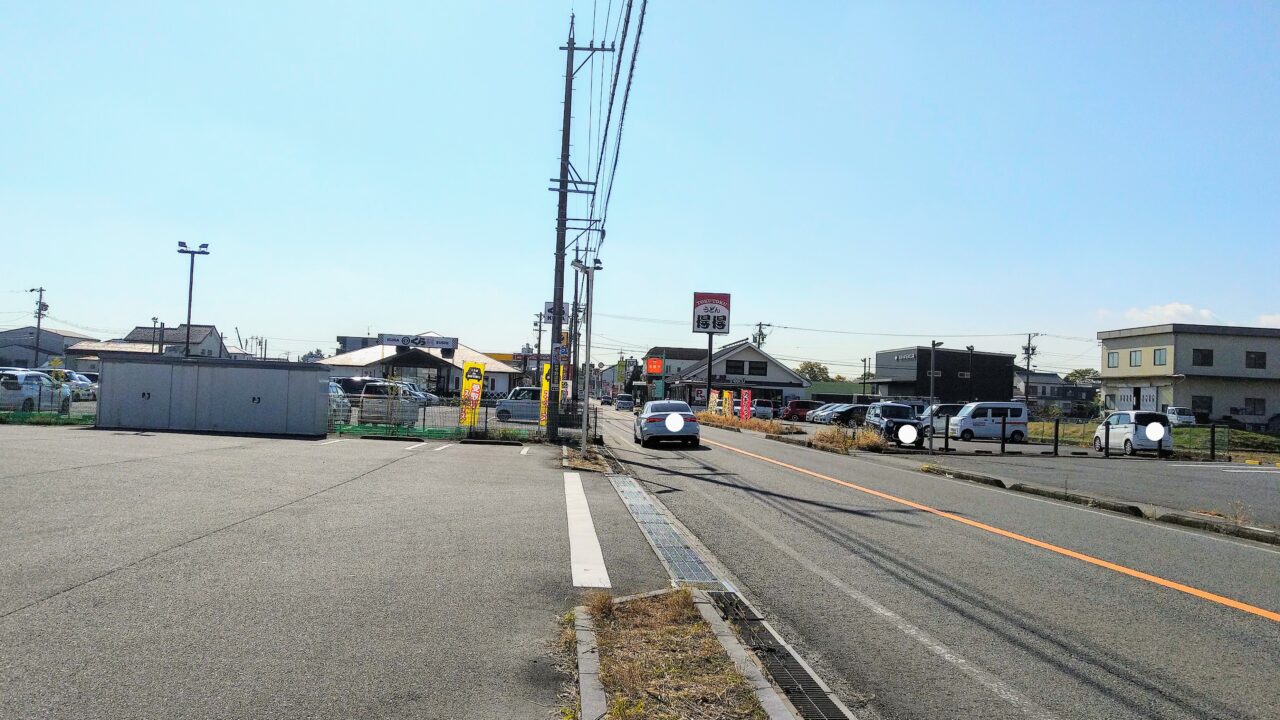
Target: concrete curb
[(774, 705), (591, 695), (484, 441), (564, 457), (1149, 512)]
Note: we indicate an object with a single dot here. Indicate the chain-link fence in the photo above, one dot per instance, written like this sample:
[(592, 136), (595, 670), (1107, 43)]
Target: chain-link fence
[(494, 419)]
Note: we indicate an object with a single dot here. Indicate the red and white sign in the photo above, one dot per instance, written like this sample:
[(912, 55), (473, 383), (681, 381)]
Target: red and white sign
[(744, 406), (711, 313), (653, 366)]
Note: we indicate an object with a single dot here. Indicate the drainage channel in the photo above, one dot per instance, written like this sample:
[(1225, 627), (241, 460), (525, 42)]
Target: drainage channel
[(807, 694)]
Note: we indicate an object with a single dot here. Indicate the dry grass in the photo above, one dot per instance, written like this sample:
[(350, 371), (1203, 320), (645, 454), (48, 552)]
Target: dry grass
[(833, 439), (660, 661), (592, 461), (564, 652), (1240, 513), (870, 440), (788, 429), (772, 427)]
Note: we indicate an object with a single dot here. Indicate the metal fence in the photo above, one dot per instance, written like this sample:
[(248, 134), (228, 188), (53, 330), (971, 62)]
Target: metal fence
[(405, 417)]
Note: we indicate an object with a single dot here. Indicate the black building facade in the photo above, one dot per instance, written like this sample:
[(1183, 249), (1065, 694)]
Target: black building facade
[(961, 376)]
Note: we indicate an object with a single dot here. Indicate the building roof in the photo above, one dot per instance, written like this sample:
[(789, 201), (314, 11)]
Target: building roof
[(942, 350), (1187, 328), (170, 335), (733, 349), (379, 353), (47, 329), (677, 353), (93, 347), (1039, 376)]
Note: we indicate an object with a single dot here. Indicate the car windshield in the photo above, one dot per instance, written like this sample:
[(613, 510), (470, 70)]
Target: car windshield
[(669, 407), (1146, 418), (895, 411), (624, 397)]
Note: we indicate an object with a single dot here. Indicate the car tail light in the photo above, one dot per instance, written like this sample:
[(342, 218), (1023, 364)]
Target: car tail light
[(656, 418), (690, 418)]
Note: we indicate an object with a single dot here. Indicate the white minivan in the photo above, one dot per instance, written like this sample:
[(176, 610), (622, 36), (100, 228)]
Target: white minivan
[(1132, 430), (1181, 416), (983, 420)]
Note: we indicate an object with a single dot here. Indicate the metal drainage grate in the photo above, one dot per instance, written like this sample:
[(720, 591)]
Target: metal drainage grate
[(800, 687), (683, 562)]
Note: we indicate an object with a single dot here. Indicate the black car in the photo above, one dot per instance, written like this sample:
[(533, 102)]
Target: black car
[(889, 418), (354, 386), (606, 400), (852, 416)]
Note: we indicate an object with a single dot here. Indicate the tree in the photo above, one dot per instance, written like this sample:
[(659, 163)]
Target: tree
[(813, 371), (839, 378), (314, 356), (1082, 374), (866, 376)]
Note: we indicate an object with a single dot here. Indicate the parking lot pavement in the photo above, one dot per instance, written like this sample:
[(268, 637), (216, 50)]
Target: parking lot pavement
[(184, 576)]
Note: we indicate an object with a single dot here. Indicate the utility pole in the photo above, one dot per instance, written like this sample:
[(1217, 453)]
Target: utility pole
[(537, 363), (971, 397), (573, 325), (759, 336), (864, 375), (41, 309), (1028, 352), (562, 222)]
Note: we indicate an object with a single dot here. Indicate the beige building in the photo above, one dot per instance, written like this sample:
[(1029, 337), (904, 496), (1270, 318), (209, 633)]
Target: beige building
[(1218, 371)]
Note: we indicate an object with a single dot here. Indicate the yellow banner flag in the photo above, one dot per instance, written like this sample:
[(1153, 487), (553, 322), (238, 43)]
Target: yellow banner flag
[(726, 404), (544, 398), (472, 387)]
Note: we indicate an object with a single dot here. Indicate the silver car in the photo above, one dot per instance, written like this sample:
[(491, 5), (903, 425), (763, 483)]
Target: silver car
[(666, 420), (28, 391)]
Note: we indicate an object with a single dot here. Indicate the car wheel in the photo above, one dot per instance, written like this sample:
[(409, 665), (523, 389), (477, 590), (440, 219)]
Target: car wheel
[(966, 435), (645, 442), (695, 442), (27, 405), (1128, 447), (1097, 444), (504, 415), (1016, 437), (634, 437)]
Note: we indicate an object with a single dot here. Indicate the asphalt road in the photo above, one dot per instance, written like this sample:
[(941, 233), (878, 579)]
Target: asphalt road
[(1251, 493), (917, 596), (184, 576)]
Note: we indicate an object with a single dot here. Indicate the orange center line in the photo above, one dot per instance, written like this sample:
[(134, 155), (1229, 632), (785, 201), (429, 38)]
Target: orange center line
[(1202, 594)]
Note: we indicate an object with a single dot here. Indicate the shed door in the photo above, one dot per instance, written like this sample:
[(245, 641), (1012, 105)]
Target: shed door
[(142, 394)]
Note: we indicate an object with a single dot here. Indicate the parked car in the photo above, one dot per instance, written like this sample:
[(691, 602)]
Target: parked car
[(522, 403), (426, 399), (606, 400), (889, 417), (30, 391), (353, 386), (387, 403), (936, 416), (666, 420), (81, 387), (1180, 416), (797, 409), (762, 409), (339, 406), (1131, 431), (813, 414), (824, 416), (93, 376), (983, 420), (851, 416), (625, 402)]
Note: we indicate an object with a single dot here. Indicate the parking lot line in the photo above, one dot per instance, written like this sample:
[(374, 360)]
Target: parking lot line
[(442, 447), (330, 442), (525, 451), (585, 557), (416, 446)]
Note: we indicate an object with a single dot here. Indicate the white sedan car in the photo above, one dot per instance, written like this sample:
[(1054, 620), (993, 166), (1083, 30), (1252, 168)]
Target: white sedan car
[(666, 420), (1134, 430)]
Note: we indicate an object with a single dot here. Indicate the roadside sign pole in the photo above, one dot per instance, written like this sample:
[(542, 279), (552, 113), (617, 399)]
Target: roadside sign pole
[(1004, 423), (710, 337), (1056, 423)]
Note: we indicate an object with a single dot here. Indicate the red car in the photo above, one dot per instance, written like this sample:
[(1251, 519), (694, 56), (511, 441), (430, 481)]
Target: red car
[(796, 409)]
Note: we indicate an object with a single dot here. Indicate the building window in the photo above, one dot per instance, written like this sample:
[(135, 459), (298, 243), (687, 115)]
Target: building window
[(1255, 360), (1113, 359), (1135, 358), (733, 367), (962, 375), (1202, 358), (1109, 401), (757, 368), (1255, 406), (1160, 356), (1202, 404)]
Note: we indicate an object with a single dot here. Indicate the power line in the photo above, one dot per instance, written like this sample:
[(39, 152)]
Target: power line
[(622, 118), (906, 335)]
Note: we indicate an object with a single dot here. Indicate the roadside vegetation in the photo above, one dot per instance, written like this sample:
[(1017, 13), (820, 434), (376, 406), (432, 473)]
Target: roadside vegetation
[(1188, 441), (773, 427), (44, 418), (660, 661)]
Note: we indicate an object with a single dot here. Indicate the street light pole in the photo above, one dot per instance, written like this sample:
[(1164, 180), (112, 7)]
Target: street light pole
[(191, 284), (590, 273), (971, 397), (40, 310), (933, 350)]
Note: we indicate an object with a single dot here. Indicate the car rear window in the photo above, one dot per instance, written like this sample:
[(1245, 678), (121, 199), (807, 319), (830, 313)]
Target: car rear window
[(624, 396), (1146, 418), (669, 407), (895, 411)]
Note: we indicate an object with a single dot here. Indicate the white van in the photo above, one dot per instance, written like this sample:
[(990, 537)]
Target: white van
[(1130, 431), (1181, 416), (983, 419)]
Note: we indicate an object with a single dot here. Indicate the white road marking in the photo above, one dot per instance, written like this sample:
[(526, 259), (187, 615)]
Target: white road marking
[(1254, 470), (525, 451), (442, 447), (330, 442), (984, 677), (416, 446), (585, 557)]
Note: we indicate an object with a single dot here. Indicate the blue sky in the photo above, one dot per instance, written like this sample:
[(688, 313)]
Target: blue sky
[(912, 168)]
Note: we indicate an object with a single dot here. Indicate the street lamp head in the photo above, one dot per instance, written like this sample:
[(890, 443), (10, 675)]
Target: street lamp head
[(182, 244), (204, 246), (969, 348), (577, 265), (598, 265), (937, 343)]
